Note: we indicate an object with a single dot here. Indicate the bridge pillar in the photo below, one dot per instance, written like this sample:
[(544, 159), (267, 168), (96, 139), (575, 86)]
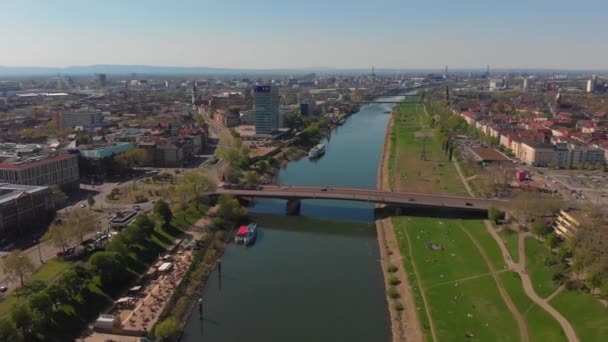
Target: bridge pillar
[(293, 207)]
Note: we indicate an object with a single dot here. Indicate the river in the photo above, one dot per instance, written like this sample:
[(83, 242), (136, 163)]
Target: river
[(315, 277)]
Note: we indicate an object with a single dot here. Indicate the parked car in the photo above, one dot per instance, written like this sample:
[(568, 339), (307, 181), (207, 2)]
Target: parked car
[(136, 208), (3, 289)]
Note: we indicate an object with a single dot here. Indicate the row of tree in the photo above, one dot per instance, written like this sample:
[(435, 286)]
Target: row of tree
[(60, 310)]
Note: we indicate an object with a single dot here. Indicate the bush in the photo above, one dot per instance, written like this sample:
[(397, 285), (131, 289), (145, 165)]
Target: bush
[(558, 277), (393, 293), (573, 284), (399, 306), (552, 260), (218, 222), (167, 329), (220, 235), (494, 214), (394, 280), (392, 268)]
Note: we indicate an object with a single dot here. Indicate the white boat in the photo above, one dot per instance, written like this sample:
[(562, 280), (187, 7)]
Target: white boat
[(316, 151), (251, 234)]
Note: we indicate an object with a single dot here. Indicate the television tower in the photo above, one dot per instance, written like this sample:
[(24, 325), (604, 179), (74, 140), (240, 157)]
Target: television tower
[(445, 74)]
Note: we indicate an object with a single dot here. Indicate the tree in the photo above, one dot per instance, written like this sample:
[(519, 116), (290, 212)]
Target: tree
[(194, 185), (594, 281), (528, 204), (167, 330), (605, 290), (234, 133), (230, 208), (41, 304), (162, 209), (109, 267), (231, 150), (494, 214), (553, 240), (17, 265), (59, 197), (132, 158), (24, 320), (251, 179), (8, 331), (90, 201), (80, 221), (292, 121), (540, 228), (60, 235)]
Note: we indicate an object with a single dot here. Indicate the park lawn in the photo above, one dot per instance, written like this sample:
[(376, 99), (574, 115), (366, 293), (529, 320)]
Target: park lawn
[(46, 273), (407, 171), (471, 306), (183, 218), (511, 242), (458, 259), (541, 275), (477, 228), (586, 314), (541, 326)]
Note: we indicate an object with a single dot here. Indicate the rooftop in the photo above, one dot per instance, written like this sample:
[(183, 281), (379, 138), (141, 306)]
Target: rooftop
[(9, 192)]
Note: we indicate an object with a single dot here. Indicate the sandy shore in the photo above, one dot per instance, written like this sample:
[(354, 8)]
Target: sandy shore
[(405, 325)]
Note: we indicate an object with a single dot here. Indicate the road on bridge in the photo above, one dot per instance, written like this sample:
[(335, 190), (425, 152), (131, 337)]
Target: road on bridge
[(370, 195)]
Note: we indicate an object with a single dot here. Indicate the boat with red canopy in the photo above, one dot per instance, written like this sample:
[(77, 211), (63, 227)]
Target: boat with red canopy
[(240, 234)]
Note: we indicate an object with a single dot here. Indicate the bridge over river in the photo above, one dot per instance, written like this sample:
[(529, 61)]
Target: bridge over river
[(293, 195)]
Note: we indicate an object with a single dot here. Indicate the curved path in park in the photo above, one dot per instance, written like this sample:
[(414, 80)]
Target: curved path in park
[(520, 268)]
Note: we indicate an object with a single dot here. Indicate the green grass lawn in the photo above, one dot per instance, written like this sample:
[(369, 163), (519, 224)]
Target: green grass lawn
[(510, 239), (407, 171), (540, 274), (471, 306), (47, 273), (478, 230), (444, 273), (541, 326), (587, 315)]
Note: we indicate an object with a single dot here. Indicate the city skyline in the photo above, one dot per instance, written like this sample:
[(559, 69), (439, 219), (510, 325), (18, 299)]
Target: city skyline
[(274, 35)]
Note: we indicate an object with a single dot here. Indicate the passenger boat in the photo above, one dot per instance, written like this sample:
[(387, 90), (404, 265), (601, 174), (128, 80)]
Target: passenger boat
[(251, 234), (240, 234), (316, 151)]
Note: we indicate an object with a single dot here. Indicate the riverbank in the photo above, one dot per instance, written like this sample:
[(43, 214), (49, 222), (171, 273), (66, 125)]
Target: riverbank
[(405, 325)]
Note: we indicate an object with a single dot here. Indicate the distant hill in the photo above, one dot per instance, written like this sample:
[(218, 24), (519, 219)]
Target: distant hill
[(115, 70), (90, 70)]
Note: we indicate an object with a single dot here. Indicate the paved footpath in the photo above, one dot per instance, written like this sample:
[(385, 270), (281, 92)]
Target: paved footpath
[(520, 268)]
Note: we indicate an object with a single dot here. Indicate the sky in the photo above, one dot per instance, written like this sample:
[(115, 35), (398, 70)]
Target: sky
[(554, 34)]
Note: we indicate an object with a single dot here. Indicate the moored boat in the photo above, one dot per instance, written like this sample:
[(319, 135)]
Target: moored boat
[(240, 234), (251, 234), (316, 151)]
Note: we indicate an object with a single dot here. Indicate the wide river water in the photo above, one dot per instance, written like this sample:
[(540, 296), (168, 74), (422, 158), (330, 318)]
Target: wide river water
[(315, 277)]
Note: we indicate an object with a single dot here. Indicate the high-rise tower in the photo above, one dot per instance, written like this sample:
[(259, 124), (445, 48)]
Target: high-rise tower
[(266, 107)]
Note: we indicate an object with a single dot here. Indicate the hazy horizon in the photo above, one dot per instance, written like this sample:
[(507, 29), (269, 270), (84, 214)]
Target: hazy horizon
[(390, 34)]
